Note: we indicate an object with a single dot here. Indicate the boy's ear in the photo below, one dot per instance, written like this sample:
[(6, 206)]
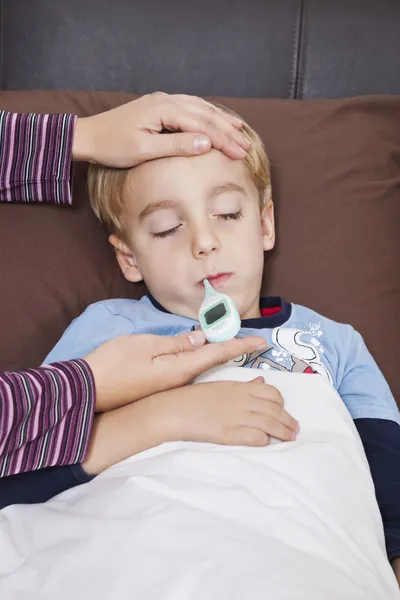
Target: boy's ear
[(126, 259), (268, 225)]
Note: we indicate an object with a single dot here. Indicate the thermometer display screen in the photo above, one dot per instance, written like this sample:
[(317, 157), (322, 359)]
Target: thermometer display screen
[(215, 313)]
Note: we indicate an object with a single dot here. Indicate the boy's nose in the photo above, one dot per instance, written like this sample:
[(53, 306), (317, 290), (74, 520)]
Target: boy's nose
[(204, 243)]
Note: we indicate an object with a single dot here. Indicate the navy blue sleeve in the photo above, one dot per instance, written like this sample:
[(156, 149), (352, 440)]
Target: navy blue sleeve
[(39, 486), (381, 441)]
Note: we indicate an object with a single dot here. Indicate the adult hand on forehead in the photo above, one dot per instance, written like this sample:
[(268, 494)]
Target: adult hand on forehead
[(130, 134), (134, 366)]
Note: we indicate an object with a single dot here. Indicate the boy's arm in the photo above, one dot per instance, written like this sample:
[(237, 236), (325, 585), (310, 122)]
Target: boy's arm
[(219, 412), (95, 326), (376, 416), (361, 384), (381, 441)]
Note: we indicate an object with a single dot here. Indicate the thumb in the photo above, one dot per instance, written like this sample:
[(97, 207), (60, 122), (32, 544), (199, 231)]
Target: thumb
[(195, 363), (176, 344), (178, 144)]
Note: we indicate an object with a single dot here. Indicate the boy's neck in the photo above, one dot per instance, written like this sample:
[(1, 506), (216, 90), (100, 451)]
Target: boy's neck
[(272, 311), (253, 312)]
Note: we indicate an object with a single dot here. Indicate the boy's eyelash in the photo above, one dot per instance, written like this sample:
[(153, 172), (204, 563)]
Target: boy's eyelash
[(225, 217), (164, 234), (235, 216)]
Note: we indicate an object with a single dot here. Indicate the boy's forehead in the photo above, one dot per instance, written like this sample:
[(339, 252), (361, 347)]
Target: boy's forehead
[(177, 173)]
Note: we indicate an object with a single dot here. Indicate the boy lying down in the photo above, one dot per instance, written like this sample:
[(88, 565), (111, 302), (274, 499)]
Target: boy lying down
[(174, 222)]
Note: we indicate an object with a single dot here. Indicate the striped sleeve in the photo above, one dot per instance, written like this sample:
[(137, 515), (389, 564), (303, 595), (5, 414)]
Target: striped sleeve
[(35, 157), (46, 416)]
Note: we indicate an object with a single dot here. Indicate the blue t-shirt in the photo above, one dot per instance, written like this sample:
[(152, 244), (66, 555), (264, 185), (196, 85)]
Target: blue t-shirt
[(297, 340)]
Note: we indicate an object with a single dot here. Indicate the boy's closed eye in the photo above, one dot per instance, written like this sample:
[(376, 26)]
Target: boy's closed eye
[(224, 216)]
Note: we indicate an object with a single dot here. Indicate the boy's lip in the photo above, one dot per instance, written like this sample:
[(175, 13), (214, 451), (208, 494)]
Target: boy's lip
[(216, 280)]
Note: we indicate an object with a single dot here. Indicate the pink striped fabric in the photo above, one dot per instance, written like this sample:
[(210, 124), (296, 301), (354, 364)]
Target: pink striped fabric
[(35, 157), (46, 414)]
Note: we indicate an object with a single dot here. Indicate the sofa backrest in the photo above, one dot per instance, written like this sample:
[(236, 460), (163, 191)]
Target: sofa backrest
[(246, 48)]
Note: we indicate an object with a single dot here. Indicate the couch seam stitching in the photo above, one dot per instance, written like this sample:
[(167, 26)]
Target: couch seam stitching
[(297, 91)]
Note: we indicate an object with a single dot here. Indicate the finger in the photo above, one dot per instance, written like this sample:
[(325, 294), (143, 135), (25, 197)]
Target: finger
[(223, 136), (247, 436), (212, 355), (258, 380), (173, 345), (278, 413), (272, 427), (180, 120), (174, 144), (220, 118), (199, 104), (237, 122), (189, 365), (268, 392)]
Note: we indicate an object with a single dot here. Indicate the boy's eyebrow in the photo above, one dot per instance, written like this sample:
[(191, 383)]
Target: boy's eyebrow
[(215, 190), (222, 188), (153, 206)]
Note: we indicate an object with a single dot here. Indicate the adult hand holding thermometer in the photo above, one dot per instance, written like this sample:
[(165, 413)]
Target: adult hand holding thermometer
[(218, 315)]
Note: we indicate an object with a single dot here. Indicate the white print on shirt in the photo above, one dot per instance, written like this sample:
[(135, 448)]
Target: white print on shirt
[(290, 352), (290, 341)]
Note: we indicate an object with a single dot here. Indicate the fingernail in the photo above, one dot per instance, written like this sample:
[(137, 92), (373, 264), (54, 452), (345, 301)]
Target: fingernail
[(246, 139), (298, 428), (238, 121), (262, 346), (293, 437), (197, 337), (201, 143), (242, 150)]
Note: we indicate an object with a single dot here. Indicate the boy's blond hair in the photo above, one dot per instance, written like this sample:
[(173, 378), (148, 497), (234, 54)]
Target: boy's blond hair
[(108, 185)]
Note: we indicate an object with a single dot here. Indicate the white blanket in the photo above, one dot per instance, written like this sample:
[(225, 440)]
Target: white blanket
[(187, 521)]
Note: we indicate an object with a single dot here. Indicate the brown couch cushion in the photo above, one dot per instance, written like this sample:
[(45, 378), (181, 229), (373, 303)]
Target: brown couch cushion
[(336, 183)]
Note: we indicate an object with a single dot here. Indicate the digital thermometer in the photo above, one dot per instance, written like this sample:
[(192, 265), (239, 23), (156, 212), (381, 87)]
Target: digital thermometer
[(218, 315)]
